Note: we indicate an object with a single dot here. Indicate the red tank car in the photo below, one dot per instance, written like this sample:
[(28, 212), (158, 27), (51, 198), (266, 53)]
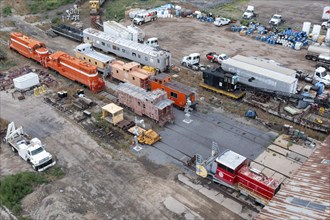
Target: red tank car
[(76, 70), (29, 47)]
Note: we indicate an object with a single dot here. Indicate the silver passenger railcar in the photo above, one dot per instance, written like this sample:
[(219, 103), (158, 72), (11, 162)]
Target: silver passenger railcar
[(141, 53)]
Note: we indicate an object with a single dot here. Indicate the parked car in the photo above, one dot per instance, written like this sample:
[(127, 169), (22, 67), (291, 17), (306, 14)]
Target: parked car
[(221, 21)]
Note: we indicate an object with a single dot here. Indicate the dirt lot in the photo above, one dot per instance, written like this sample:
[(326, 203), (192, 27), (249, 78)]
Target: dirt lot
[(100, 183), (104, 183)]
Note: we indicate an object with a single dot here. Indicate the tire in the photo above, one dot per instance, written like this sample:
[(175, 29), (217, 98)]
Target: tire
[(324, 27), (308, 57), (314, 58), (212, 60), (184, 64), (140, 23)]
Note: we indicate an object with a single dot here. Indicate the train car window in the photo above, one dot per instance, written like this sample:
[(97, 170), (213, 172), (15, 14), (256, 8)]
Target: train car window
[(95, 63), (223, 167), (103, 43), (144, 106), (84, 49), (123, 50), (139, 56), (117, 71), (174, 95), (89, 60), (133, 78), (138, 103), (84, 58), (230, 170), (158, 61), (134, 54), (87, 38)]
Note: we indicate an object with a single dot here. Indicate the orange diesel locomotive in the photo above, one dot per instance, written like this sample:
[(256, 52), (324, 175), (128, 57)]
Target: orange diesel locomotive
[(64, 64), (29, 47)]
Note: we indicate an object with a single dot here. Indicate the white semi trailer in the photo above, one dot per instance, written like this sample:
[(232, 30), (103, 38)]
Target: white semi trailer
[(260, 77)]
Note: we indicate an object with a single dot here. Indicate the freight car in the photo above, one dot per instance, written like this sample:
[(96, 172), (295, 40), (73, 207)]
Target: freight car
[(130, 72), (29, 47), (141, 53), (176, 91), (86, 53), (154, 105), (224, 83), (234, 171), (63, 63), (68, 31)]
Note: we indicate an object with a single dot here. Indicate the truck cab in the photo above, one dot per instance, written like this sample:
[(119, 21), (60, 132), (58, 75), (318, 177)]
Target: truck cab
[(249, 13), (192, 59), (276, 20), (144, 17), (325, 25), (321, 75), (221, 21), (323, 60), (153, 41)]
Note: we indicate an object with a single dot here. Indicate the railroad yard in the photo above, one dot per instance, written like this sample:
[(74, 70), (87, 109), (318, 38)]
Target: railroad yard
[(192, 156)]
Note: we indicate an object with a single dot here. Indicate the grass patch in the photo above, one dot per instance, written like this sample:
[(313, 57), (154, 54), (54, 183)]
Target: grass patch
[(14, 188), (6, 11), (56, 20), (37, 6), (7, 64), (116, 9), (231, 10)]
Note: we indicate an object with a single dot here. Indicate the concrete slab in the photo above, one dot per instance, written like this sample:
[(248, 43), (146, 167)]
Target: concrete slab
[(212, 194), (180, 209), (188, 182), (278, 149), (278, 163), (198, 136)]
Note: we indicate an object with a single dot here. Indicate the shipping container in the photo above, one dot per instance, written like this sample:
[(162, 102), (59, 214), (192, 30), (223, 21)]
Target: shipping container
[(26, 81), (267, 64), (258, 77)]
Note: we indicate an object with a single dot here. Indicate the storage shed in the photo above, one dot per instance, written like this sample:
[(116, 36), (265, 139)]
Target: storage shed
[(113, 113), (26, 81)]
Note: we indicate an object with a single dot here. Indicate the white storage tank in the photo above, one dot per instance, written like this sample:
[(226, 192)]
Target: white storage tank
[(26, 81), (306, 27)]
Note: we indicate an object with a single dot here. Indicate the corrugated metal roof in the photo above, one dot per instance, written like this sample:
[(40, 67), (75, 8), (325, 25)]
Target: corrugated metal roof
[(267, 64), (307, 194), (259, 70), (130, 44)]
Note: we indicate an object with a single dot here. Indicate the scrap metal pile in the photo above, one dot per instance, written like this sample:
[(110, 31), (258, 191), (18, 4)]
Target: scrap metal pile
[(288, 38)]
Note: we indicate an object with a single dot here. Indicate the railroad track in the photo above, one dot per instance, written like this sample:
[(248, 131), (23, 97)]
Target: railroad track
[(210, 184)]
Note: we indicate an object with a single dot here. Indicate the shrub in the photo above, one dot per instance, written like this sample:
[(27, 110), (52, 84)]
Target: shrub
[(6, 11), (13, 188)]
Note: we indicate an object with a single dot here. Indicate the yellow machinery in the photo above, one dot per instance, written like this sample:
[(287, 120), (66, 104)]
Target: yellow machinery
[(148, 137), (94, 6)]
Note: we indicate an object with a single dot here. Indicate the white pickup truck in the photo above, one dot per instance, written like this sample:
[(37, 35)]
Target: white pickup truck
[(276, 20), (321, 75), (31, 150), (221, 21)]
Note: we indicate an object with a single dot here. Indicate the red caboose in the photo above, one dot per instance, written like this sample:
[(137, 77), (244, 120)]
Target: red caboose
[(176, 91), (29, 47), (76, 70), (232, 170)]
